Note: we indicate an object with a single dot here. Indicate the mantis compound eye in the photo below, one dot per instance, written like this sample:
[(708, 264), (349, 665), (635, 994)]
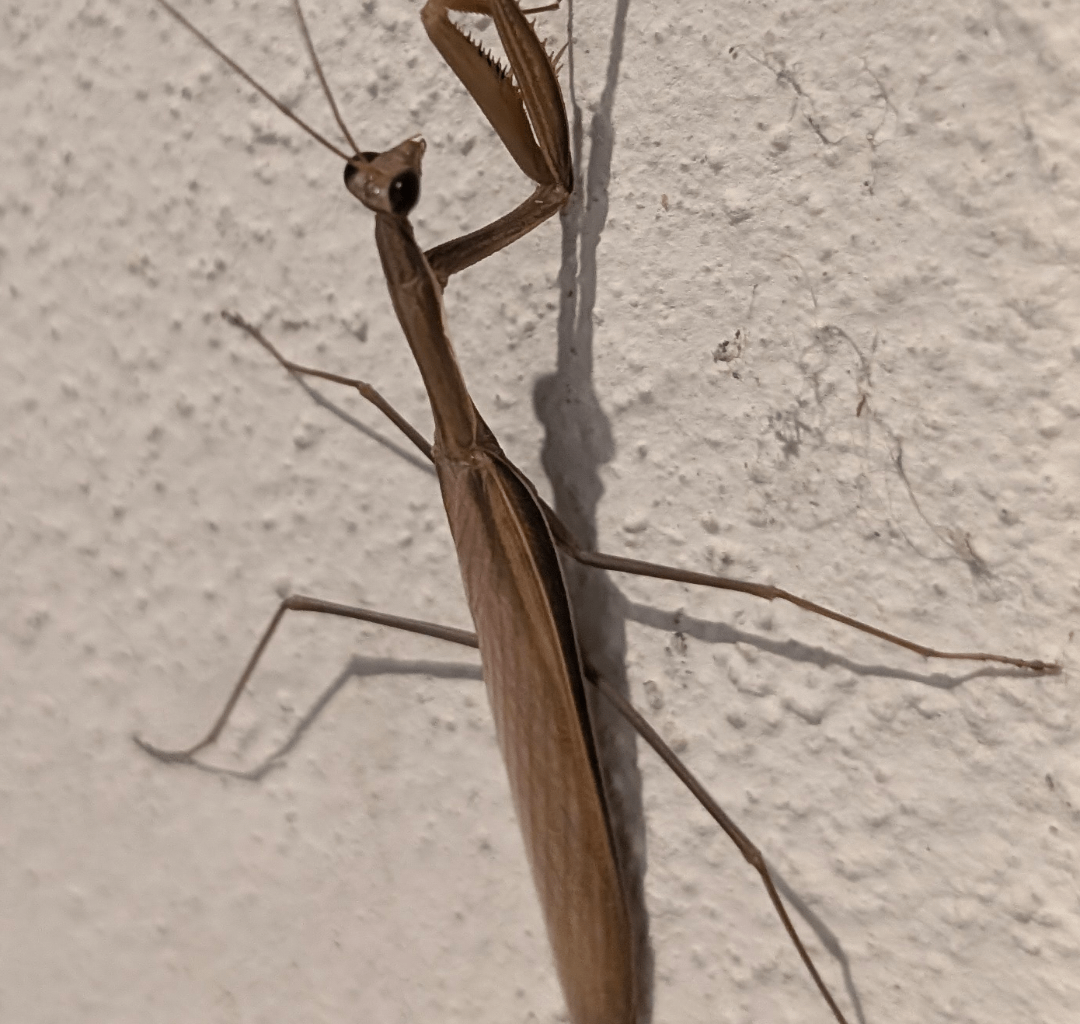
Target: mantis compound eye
[(404, 192), (380, 183)]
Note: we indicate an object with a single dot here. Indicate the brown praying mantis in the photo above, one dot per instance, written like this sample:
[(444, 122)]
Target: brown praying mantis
[(509, 542)]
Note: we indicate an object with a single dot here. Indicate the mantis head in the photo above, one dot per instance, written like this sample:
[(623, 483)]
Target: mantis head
[(387, 182)]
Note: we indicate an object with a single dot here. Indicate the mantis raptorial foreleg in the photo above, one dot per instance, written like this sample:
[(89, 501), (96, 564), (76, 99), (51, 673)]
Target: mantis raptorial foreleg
[(543, 156)]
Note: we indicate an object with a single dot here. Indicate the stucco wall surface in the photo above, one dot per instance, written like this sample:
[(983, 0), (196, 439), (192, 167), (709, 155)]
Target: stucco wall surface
[(813, 319)]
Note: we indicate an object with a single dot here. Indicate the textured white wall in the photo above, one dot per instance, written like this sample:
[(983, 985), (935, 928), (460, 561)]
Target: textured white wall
[(879, 200)]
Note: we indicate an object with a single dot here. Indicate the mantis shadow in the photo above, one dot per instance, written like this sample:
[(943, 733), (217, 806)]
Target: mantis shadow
[(357, 667), (578, 441)]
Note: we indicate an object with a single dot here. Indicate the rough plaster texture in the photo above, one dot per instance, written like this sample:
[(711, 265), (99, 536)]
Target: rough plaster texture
[(853, 237)]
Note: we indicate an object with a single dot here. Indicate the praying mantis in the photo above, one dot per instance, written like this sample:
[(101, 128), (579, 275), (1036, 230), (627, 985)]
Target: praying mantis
[(592, 948)]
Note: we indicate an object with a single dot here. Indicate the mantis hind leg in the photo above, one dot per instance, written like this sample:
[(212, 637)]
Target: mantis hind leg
[(767, 592)]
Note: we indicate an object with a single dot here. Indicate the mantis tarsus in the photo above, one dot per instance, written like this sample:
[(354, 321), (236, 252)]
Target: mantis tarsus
[(507, 538)]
